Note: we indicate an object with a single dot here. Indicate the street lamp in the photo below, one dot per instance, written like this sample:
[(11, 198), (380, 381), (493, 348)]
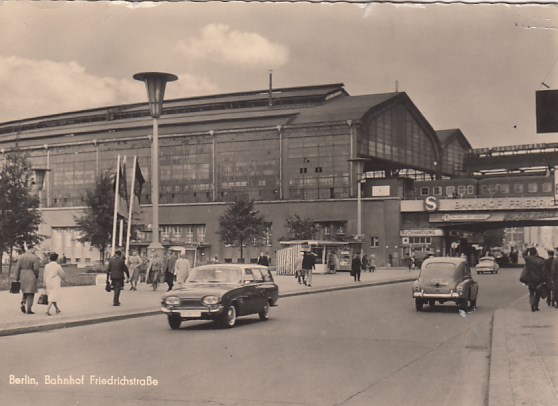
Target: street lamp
[(40, 174), (359, 166), (155, 83)]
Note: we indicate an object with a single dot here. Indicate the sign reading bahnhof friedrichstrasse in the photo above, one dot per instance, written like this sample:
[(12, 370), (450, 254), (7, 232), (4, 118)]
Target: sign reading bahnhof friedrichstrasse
[(480, 204)]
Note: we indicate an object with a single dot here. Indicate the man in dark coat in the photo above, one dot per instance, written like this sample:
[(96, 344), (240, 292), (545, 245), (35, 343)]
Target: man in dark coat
[(548, 277), (169, 270), (116, 270), (534, 265), (308, 264), (356, 266), (263, 259)]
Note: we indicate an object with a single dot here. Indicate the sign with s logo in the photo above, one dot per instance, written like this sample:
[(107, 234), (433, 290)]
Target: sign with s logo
[(431, 203)]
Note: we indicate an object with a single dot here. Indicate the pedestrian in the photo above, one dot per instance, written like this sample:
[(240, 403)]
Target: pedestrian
[(356, 266), (299, 271), (116, 270), (52, 279), (364, 263), (263, 259), (408, 262), (534, 276), (308, 264), (153, 270), (548, 277), (182, 269), (134, 263), (372, 262), (27, 273), (332, 262), (554, 284), (169, 270)]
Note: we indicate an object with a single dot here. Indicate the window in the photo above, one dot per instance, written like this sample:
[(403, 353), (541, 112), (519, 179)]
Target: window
[(375, 242), (437, 190), (248, 275), (532, 187), (201, 233), (258, 277), (504, 188), (517, 188), (450, 191), (461, 190), (424, 191), (546, 187), (189, 232), (470, 189)]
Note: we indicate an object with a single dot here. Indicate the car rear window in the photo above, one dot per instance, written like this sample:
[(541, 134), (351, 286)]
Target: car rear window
[(438, 270), (486, 262), (215, 275)]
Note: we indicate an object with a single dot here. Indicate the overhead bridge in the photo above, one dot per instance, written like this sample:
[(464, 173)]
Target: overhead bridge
[(511, 158)]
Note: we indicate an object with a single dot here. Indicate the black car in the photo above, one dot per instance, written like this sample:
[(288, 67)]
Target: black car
[(222, 292)]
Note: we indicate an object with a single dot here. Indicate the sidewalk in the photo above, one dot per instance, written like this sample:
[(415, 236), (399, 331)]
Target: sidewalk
[(83, 305), (524, 356)]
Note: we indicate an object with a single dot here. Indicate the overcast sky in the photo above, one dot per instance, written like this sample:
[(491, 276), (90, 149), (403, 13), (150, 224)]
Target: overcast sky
[(472, 67)]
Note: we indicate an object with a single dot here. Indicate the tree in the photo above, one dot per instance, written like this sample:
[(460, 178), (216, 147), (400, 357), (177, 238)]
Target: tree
[(95, 225), (19, 205), (240, 223), (300, 229)]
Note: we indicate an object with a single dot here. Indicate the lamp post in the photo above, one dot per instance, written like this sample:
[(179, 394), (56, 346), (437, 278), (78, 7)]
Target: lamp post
[(40, 174), (155, 83), (359, 166)]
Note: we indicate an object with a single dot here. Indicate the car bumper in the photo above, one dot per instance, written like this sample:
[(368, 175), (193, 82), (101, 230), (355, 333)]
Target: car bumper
[(194, 313), (447, 296)]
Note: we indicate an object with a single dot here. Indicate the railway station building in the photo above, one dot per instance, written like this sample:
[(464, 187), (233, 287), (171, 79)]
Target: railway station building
[(295, 151)]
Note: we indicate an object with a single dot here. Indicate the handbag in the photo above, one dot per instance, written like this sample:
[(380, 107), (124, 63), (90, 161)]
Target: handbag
[(108, 286), (541, 290), (15, 287), (43, 299)]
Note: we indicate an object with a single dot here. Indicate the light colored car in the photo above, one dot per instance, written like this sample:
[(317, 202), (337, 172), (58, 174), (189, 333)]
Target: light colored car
[(445, 279), (221, 292), (487, 264)]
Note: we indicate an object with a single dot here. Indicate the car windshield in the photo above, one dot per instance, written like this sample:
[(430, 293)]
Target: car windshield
[(439, 270), (215, 275)]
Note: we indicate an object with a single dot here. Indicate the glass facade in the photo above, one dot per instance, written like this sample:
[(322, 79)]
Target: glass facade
[(317, 166), (453, 154), (394, 134)]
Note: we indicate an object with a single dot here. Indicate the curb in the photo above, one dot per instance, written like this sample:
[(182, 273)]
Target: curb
[(136, 314)]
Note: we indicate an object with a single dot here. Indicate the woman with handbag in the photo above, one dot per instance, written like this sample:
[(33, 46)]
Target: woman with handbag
[(53, 276), (27, 273)]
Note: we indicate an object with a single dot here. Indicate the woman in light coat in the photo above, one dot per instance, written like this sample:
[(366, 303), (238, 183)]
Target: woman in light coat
[(53, 276)]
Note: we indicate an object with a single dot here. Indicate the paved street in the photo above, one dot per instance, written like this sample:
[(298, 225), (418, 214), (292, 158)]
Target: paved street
[(351, 347)]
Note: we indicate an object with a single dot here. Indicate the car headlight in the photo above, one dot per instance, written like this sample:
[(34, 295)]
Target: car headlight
[(172, 300), (210, 300)]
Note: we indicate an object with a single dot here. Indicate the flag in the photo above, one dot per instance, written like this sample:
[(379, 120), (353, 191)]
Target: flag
[(138, 182), (122, 196)]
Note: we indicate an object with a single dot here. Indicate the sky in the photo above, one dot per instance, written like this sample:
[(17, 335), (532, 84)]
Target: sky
[(475, 67)]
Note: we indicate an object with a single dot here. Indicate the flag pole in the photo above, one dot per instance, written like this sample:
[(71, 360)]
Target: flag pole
[(131, 208), (116, 198)]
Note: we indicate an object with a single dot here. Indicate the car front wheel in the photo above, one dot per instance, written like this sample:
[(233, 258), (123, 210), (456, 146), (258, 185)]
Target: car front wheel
[(229, 317), (418, 304), (174, 322), (264, 314)]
